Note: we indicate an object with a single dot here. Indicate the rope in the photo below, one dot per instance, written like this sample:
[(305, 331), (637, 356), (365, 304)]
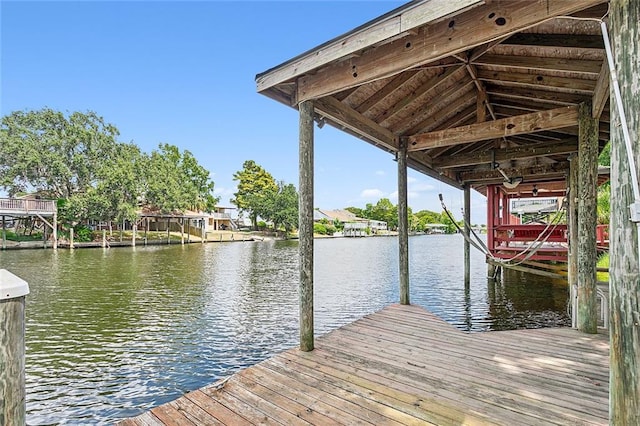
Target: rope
[(482, 247)]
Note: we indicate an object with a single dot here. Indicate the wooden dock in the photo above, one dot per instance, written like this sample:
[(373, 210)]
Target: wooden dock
[(405, 366)]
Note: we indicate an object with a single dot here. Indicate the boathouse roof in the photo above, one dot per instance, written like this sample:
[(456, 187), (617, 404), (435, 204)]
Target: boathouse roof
[(478, 91)]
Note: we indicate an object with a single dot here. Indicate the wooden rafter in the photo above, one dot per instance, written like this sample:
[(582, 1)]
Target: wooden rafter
[(536, 81), (505, 154), (382, 30), (350, 119), (601, 91), (386, 90), (526, 95), (461, 96), (576, 66), (495, 176), (526, 123), (428, 86), (430, 43)]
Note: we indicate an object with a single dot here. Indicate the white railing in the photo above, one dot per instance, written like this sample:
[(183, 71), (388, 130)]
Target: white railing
[(221, 216), (26, 206)]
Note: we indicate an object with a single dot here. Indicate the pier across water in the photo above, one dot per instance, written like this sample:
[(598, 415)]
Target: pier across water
[(405, 366)]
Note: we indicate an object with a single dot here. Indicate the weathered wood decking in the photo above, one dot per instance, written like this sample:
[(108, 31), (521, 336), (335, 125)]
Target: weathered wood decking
[(405, 366)]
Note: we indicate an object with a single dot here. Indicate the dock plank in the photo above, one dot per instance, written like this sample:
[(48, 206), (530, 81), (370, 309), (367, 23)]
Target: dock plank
[(405, 366)]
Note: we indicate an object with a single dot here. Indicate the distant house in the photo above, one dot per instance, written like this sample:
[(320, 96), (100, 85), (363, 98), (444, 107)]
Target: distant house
[(220, 219), (353, 226)]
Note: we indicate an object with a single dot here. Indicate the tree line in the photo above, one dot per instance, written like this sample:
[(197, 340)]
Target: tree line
[(78, 160), (386, 211)]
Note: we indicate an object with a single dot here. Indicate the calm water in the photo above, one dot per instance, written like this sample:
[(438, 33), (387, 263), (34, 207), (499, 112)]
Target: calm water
[(112, 333)]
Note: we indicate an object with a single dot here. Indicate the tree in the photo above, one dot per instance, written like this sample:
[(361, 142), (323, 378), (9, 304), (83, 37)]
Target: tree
[(383, 210), (120, 186), (283, 208), (175, 182), (47, 152), (57, 156), (256, 188), (357, 211)]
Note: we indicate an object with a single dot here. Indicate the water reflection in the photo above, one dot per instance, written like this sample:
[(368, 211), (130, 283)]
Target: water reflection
[(113, 332)]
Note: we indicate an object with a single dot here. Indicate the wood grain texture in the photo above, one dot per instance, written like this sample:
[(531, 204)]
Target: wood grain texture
[(403, 225), (520, 124), (405, 366), (624, 269), (305, 225), (434, 42), (587, 220), (12, 362)]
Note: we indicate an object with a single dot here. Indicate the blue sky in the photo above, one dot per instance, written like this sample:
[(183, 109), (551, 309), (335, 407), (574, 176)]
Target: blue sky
[(184, 73)]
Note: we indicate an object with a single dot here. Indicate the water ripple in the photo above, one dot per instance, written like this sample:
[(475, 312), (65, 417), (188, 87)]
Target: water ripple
[(112, 333)]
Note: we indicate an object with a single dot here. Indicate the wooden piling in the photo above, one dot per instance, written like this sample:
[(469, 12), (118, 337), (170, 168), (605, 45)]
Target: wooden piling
[(104, 238), (4, 234), (403, 223), (71, 238), (572, 227), (467, 232), (134, 231), (55, 231), (305, 225), (624, 269), (587, 219), (12, 349)]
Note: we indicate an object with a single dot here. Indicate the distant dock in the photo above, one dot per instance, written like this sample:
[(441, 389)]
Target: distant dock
[(405, 366)]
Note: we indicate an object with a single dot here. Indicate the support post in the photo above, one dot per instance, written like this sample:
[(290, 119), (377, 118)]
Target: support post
[(403, 223), (169, 231), (4, 234), (104, 238), (71, 238), (55, 231), (491, 216), (12, 368), (587, 219), (572, 225), (467, 232), (188, 231), (182, 231), (134, 231), (624, 269), (306, 225)]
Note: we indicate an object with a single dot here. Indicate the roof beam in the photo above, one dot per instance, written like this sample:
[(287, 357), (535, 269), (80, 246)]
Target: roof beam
[(535, 81), (388, 89), (529, 173), (505, 154), (588, 68), (434, 42), (520, 124), (427, 87), (351, 119), (601, 92), (368, 35)]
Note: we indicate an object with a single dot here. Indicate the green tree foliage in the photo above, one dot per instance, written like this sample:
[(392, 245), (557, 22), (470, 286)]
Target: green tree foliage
[(176, 182), (357, 211), (425, 217), (56, 155), (282, 208), (77, 160), (604, 190), (383, 210), (256, 189)]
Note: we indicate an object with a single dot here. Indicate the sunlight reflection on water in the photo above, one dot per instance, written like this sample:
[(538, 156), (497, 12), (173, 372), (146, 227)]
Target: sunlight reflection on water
[(111, 333)]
